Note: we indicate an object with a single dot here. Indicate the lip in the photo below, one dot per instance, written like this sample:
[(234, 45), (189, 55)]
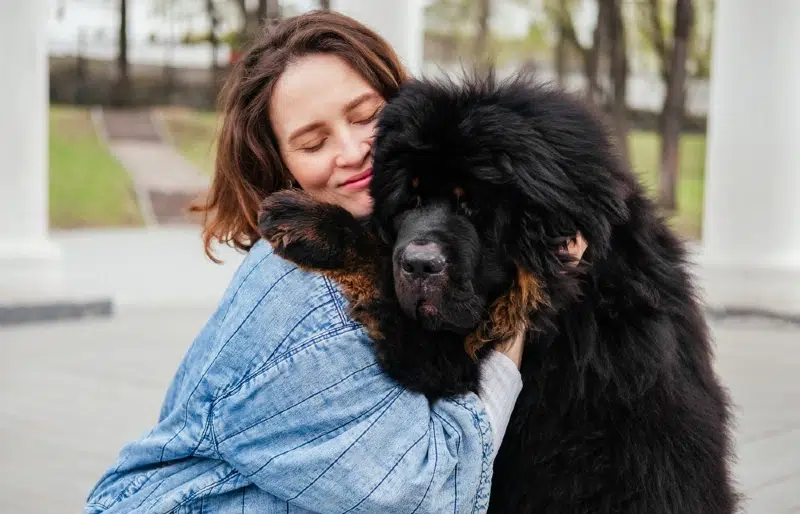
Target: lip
[(359, 181)]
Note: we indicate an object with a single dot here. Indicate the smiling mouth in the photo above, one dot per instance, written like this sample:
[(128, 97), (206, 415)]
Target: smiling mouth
[(359, 181)]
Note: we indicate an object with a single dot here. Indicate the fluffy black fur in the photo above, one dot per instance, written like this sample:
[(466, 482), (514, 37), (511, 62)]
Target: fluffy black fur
[(621, 410)]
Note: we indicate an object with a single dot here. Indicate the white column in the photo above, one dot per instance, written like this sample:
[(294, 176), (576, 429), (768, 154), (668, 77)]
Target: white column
[(400, 22), (29, 262), (751, 226)]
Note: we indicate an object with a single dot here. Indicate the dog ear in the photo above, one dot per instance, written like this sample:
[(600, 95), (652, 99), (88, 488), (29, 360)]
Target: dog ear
[(312, 234)]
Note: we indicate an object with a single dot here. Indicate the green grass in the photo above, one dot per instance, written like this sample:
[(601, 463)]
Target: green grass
[(88, 187), (645, 149), (193, 133)]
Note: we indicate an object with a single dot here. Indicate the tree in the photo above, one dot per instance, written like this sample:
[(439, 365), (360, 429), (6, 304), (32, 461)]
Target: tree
[(265, 11), (121, 93), (325, 4), (560, 12), (213, 24), (619, 73), (673, 56), (701, 40), (483, 56)]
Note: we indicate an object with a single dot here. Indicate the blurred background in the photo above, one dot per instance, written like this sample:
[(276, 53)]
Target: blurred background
[(107, 125)]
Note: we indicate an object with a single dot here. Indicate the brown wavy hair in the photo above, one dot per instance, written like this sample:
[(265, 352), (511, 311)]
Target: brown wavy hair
[(248, 165)]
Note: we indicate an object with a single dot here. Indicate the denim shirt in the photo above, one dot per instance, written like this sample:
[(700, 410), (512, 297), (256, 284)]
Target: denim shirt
[(279, 405)]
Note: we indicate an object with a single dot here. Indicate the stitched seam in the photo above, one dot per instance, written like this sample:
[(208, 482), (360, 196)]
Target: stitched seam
[(267, 365), (226, 478), (186, 410), (433, 475), (156, 488), (483, 491), (256, 423), (458, 451), (342, 315), (369, 412), (390, 472), (270, 251), (346, 450), (129, 489)]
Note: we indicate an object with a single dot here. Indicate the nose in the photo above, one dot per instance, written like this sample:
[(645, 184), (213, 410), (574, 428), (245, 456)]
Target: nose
[(423, 260), (352, 152)]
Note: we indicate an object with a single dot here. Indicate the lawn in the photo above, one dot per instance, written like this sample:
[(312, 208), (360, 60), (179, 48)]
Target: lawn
[(88, 187), (645, 150), (193, 133)]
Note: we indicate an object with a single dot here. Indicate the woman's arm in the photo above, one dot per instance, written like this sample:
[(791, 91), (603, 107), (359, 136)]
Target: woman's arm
[(325, 429)]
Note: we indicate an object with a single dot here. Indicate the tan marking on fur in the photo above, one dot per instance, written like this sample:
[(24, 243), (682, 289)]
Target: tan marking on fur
[(459, 192), (415, 182), (509, 313), (360, 289)]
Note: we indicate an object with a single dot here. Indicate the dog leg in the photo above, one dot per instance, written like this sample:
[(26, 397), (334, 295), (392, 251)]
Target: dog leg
[(313, 234)]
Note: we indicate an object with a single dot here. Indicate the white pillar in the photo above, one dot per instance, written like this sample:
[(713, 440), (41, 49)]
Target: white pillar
[(29, 262), (751, 225), (400, 22)]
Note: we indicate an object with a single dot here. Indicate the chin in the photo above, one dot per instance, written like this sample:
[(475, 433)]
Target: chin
[(360, 206)]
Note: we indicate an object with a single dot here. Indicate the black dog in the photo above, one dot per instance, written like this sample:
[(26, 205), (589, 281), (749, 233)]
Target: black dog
[(477, 187)]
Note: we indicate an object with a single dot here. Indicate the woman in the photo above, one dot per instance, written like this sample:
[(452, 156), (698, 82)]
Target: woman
[(279, 404)]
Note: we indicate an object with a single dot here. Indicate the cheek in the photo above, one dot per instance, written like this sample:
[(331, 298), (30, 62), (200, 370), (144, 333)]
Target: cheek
[(312, 171)]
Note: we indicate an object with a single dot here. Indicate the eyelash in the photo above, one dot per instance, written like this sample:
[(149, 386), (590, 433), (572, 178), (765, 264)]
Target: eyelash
[(373, 116)]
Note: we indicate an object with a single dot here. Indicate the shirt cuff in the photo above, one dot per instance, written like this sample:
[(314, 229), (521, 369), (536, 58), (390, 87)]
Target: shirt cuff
[(499, 387)]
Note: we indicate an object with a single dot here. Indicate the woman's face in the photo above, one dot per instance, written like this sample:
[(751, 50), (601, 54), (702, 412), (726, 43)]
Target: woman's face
[(323, 114)]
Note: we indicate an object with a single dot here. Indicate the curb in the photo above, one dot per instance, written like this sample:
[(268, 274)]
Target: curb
[(55, 310)]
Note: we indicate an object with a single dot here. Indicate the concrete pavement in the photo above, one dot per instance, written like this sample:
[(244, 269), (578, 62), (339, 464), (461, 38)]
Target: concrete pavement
[(74, 392)]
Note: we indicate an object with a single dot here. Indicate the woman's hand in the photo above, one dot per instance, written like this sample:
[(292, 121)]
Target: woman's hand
[(575, 248), (513, 347)]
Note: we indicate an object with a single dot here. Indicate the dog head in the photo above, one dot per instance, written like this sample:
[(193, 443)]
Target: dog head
[(477, 188)]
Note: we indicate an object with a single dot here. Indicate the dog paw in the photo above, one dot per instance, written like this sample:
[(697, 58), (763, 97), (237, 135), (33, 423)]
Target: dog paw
[(308, 232)]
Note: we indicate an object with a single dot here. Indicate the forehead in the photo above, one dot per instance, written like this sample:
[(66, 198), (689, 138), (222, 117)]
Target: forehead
[(314, 88)]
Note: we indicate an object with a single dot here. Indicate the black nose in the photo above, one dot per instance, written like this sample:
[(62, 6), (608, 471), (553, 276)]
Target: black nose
[(423, 259)]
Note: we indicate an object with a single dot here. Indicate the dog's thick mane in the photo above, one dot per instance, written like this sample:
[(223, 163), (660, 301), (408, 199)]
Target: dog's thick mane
[(621, 409)]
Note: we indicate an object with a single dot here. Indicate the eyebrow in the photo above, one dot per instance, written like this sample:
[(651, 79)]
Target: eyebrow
[(349, 106)]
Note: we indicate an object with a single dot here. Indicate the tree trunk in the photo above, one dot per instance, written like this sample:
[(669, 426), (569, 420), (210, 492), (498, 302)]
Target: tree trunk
[(325, 4), (121, 94), (672, 113), (261, 12), (482, 57), (593, 57), (561, 57), (213, 20), (619, 74), (272, 11)]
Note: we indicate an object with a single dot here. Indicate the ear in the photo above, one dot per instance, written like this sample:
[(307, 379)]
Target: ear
[(312, 234)]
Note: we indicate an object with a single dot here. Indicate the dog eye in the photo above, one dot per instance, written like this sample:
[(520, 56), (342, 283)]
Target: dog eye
[(466, 209)]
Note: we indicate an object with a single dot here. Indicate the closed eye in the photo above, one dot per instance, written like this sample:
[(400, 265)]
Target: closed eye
[(314, 148), (370, 119)]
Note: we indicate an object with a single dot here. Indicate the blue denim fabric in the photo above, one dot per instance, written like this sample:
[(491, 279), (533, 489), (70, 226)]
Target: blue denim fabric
[(280, 406)]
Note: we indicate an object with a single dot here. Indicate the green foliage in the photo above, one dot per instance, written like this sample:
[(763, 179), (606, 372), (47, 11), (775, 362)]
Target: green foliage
[(645, 156)]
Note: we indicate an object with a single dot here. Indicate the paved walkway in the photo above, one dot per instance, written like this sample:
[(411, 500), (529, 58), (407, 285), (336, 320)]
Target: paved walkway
[(165, 181), (74, 393)]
